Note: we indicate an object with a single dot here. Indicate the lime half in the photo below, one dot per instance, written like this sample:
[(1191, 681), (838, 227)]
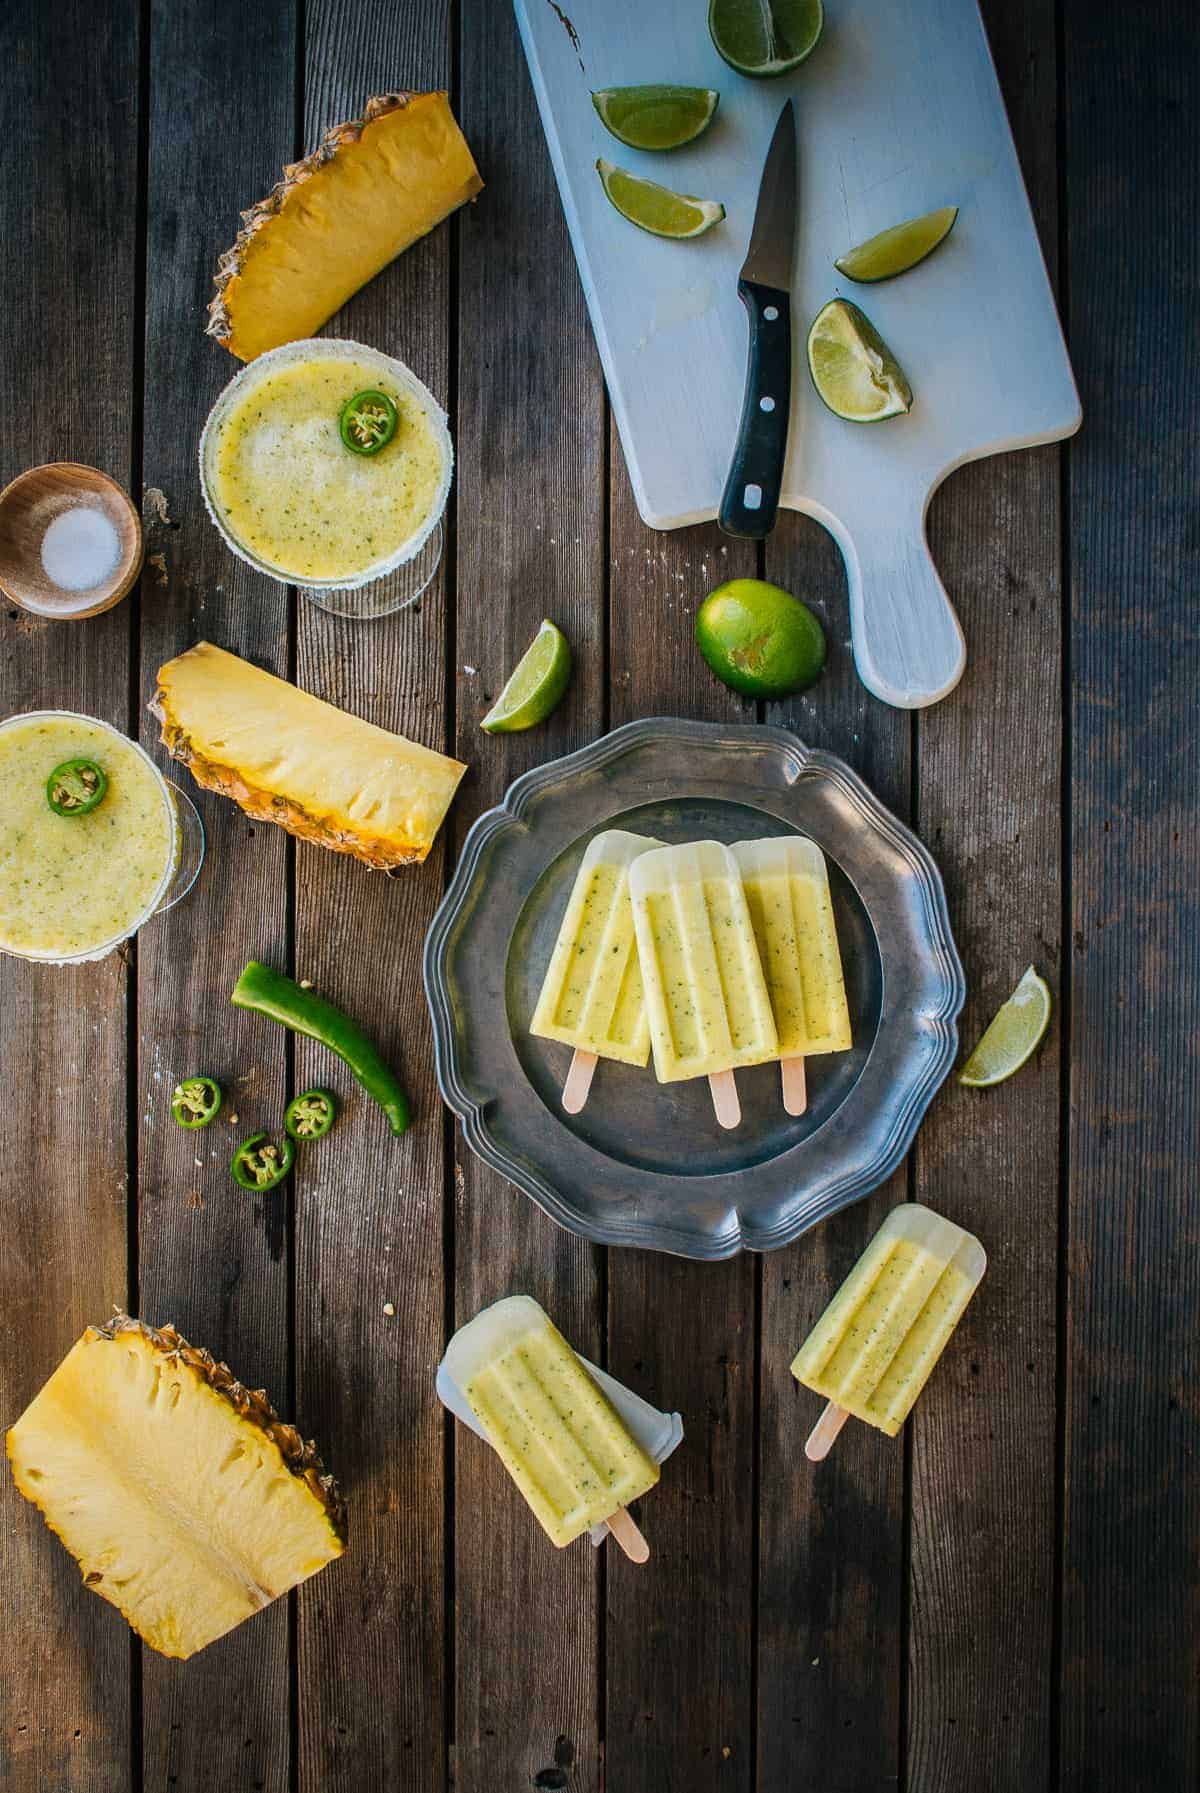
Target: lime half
[(657, 117), (536, 687), (1012, 1037), (655, 208), (852, 367), (764, 37), (898, 249)]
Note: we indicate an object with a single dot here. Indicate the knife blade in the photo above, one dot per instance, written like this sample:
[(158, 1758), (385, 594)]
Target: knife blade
[(750, 501)]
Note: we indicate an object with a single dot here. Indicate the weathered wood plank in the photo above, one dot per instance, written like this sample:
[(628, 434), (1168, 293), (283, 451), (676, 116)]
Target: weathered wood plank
[(983, 1432), (831, 1546), (1131, 1625), (211, 1259), (679, 1638), (530, 533), (831, 1538), (68, 225), (989, 775), (369, 1209)]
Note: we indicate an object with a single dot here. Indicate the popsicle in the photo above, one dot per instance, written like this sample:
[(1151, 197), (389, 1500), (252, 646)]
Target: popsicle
[(787, 890), (591, 997), (557, 1434), (871, 1352), (706, 998)]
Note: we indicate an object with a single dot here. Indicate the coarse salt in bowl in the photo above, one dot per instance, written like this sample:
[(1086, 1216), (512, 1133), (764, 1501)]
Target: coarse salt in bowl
[(70, 541), (80, 549)]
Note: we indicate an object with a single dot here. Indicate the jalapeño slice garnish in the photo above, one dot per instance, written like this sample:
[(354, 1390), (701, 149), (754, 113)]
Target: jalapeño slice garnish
[(310, 1116), (196, 1101), (76, 787), (259, 1163), (368, 422)]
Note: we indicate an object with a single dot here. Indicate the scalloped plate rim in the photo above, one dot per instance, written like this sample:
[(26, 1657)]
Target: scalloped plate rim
[(856, 1181)]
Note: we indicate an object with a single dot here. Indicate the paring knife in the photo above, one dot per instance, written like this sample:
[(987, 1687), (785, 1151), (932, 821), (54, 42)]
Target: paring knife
[(751, 496)]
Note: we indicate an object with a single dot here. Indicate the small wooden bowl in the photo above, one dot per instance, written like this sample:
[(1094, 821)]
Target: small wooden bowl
[(27, 508)]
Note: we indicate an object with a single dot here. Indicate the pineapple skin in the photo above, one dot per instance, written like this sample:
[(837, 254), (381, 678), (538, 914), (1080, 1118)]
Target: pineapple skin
[(373, 186), (292, 727), (201, 1614)]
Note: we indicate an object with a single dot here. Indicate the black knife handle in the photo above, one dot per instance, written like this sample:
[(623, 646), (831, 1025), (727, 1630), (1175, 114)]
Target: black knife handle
[(751, 496)]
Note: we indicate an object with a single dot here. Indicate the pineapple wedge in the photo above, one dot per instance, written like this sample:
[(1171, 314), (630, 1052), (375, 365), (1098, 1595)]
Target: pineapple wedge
[(182, 1496), (287, 757), (374, 186)]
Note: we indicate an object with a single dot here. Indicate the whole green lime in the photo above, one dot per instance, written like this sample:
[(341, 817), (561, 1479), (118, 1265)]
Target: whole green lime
[(759, 639)]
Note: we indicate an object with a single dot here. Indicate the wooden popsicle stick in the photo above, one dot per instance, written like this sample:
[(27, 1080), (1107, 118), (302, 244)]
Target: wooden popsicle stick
[(628, 1536), (795, 1088), (823, 1436), (579, 1080), (725, 1102)]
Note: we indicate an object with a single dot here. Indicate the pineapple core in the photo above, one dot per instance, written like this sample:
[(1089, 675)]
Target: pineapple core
[(180, 1510)]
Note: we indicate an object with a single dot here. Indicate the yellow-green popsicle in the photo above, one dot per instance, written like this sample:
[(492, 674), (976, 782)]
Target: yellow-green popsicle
[(872, 1351), (560, 1439), (591, 997), (787, 889), (706, 998)]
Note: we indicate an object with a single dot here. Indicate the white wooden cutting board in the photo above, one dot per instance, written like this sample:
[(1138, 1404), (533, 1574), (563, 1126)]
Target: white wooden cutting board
[(898, 111)]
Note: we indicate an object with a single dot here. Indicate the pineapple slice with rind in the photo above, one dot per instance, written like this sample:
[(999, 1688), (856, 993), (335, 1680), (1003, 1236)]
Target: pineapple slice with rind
[(184, 1498), (287, 757), (374, 186)]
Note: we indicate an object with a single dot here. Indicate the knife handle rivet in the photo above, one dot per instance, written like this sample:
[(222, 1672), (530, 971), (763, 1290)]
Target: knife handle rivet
[(770, 312), (766, 404)]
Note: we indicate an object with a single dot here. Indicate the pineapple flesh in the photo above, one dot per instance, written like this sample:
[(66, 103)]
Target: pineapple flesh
[(374, 186), (290, 758), (184, 1499)]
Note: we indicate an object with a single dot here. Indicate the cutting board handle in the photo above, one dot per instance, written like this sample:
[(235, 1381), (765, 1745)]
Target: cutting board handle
[(908, 643)]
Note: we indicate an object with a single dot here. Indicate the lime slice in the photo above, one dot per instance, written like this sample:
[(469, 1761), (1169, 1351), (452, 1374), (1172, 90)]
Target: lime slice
[(655, 208), (1013, 1035), (852, 367), (536, 687), (759, 639), (764, 37), (656, 117), (897, 250)]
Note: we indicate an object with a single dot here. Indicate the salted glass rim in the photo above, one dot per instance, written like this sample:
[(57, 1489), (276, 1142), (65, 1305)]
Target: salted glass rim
[(333, 348)]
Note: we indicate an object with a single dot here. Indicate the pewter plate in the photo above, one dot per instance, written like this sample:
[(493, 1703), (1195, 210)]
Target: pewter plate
[(646, 1163)]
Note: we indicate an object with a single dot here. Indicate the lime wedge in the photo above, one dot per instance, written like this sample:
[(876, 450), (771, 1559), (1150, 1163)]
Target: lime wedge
[(898, 249), (655, 208), (764, 37), (536, 687), (852, 367), (1013, 1035), (657, 117)]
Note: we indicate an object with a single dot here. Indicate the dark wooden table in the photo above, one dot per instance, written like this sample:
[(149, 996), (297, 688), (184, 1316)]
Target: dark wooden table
[(1007, 1597)]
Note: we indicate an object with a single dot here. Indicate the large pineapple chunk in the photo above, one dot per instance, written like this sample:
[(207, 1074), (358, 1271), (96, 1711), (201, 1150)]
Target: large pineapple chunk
[(181, 1495), (289, 758), (374, 186)]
